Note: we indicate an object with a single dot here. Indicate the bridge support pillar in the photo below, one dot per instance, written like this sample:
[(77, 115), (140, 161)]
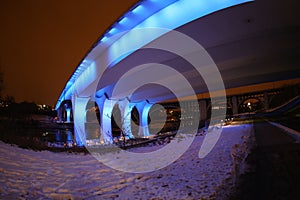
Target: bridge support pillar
[(126, 107), (234, 105), (79, 116), (143, 109), (106, 109), (68, 111)]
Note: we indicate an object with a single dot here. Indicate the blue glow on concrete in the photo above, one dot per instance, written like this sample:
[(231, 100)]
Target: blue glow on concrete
[(169, 14), (182, 11), (118, 59), (113, 31), (124, 20), (145, 122), (143, 108), (136, 15), (106, 116), (69, 88), (154, 13), (126, 107), (79, 115), (85, 78), (138, 10), (104, 39), (68, 110)]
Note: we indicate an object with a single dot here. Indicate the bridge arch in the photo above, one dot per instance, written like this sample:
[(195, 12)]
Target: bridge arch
[(65, 112), (158, 14)]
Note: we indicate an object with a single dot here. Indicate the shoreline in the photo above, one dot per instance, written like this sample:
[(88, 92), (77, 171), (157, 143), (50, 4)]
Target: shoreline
[(187, 178)]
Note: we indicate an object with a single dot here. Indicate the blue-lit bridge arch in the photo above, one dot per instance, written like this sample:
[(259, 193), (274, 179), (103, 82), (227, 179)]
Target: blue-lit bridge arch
[(227, 29)]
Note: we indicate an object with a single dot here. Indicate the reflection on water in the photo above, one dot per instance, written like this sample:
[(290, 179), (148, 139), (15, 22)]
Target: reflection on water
[(59, 136), (65, 137)]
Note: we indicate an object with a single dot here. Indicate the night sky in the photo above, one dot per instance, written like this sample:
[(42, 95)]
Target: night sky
[(42, 42)]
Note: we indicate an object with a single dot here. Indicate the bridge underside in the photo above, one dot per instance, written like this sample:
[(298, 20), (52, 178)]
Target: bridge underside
[(250, 43)]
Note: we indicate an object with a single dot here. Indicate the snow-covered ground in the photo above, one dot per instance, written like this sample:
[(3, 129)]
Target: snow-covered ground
[(26, 174)]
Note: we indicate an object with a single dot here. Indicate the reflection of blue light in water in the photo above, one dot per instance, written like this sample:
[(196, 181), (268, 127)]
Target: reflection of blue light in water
[(62, 135), (69, 135)]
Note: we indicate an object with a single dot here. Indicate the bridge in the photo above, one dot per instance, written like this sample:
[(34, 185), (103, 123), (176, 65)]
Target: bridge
[(258, 98), (243, 42)]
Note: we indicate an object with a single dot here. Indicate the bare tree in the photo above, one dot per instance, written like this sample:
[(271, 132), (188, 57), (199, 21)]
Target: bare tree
[(9, 100)]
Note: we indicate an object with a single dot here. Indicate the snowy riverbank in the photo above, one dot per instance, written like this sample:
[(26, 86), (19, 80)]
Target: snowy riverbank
[(27, 174)]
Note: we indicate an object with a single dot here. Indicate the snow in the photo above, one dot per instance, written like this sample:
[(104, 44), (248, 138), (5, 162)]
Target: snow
[(26, 174)]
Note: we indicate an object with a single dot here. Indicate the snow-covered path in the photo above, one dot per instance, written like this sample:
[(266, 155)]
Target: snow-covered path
[(27, 174)]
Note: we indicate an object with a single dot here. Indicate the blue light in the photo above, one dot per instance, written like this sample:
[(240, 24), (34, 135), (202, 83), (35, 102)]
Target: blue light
[(78, 106), (117, 60), (104, 39), (145, 121), (138, 9), (106, 120), (170, 17), (68, 114), (112, 31), (124, 20), (169, 14), (143, 109)]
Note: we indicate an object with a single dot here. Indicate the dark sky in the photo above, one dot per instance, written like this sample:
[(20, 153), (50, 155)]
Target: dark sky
[(42, 42)]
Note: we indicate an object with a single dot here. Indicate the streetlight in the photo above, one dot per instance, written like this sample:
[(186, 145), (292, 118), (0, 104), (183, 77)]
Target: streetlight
[(249, 107)]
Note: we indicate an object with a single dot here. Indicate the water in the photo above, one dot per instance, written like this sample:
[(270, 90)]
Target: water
[(65, 136), (59, 136)]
